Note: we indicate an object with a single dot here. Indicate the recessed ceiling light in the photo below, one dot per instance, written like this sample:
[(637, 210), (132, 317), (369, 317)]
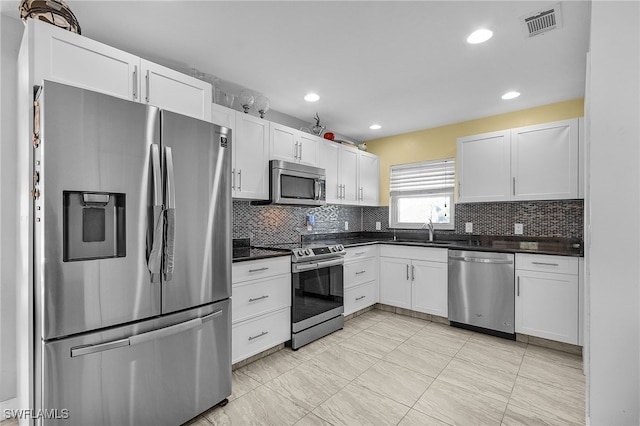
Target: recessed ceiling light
[(510, 95), (479, 36), (311, 97), (375, 127)]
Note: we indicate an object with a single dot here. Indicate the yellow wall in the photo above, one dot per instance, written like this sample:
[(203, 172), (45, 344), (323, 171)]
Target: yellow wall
[(440, 142)]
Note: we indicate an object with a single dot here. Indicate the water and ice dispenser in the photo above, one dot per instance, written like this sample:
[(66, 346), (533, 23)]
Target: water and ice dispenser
[(94, 225)]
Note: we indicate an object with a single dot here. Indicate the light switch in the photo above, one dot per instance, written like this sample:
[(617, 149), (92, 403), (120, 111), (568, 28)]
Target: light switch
[(468, 227), (518, 229), (346, 226), (378, 226)]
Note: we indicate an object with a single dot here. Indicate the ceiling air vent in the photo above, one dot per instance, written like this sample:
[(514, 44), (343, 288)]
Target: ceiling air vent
[(542, 20)]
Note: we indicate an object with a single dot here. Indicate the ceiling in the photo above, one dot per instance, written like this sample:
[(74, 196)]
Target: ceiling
[(403, 65)]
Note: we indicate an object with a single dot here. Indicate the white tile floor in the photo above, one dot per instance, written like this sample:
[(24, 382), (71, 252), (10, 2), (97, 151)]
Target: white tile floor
[(387, 369)]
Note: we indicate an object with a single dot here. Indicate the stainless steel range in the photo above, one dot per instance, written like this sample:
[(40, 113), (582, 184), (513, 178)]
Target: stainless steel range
[(317, 292)]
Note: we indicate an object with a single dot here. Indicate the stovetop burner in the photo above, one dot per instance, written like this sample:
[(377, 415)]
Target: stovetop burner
[(307, 252)]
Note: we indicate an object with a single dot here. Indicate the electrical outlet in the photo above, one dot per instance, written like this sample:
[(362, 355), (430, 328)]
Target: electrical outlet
[(468, 227), (518, 229), (346, 226), (378, 226)]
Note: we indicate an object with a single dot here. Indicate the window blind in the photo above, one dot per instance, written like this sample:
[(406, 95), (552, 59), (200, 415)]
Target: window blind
[(429, 177)]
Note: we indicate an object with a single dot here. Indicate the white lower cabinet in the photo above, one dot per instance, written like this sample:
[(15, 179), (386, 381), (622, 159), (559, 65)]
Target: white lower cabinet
[(429, 287), (360, 278), (547, 297), (260, 306), (414, 278), (256, 335)]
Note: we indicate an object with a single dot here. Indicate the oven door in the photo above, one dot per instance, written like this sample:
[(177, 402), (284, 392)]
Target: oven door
[(318, 293)]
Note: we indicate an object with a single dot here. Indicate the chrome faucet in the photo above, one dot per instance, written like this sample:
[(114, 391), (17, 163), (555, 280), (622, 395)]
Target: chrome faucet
[(430, 227)]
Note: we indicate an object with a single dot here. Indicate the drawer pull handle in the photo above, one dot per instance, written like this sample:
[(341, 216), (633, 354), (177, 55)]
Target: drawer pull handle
[(259, 269), (360, 298), (361, 272), (259, 298), (545, 263), (259, 335), (360, 253)]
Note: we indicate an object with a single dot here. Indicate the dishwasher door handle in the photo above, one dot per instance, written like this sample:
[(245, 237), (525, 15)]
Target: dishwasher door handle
[(481, 260)]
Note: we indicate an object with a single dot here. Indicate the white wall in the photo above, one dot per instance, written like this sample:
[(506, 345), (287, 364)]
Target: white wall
[(11, 33), (614, 340)]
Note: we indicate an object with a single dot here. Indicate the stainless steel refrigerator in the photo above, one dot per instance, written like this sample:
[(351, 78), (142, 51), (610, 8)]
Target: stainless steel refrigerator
[(132, 261)]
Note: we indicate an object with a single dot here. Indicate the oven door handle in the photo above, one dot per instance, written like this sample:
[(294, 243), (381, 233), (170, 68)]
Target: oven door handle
[(332, 262), (304, 267)]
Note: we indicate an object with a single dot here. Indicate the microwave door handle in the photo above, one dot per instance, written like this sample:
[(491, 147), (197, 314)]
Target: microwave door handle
[(316, 189), (155, 255), (170, 248)]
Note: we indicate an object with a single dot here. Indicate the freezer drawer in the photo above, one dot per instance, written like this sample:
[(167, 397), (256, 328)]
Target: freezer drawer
[(158, 372)]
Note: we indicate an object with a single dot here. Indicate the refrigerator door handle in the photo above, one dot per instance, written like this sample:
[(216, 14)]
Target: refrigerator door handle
[(170, 248), (211, 316), (155, 256), (92, 349), (164, 332)]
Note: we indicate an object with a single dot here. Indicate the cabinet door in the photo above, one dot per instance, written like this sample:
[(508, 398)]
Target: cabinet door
[(395, 282), (308, 148), (429, 287), (544, 161), (484, 169), (329, 157), (349, 175), (547, 305), (174, 91), (250, 172), (68, 58), (284, 145), (369, 179)]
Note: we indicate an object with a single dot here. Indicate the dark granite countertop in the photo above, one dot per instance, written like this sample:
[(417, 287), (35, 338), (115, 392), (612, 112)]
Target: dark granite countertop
[(505, 244), (242, 251)]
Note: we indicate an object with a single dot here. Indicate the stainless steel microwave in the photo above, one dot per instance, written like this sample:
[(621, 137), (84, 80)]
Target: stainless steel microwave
[(293, 183)]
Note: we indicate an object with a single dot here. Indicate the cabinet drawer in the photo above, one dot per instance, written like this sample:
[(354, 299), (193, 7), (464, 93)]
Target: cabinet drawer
[(359, 297), (547, 263), (252, 269), (259, 334), (360, 252), (419, 253), (252, 298), (359, 272)]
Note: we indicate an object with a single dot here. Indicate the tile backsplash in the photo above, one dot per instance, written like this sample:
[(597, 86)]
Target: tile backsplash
[(276, 224)]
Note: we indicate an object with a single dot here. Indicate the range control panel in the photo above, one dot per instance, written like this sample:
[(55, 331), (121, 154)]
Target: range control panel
[(314, 253)]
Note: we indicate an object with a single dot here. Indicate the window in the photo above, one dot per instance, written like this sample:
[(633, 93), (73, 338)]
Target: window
[(422, 191)]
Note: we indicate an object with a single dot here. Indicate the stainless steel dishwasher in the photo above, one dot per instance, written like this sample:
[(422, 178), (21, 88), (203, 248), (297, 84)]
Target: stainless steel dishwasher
[(481, 292)]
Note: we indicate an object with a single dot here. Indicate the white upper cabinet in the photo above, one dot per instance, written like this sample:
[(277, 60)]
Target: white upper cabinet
[(250, 162), (65, 57), (544, 161), (284, 145), (68, 58), (174, 91), (308, 148), (484, 167), (368, 179), (353, 176), (538, 162), (292, 145), (349, 175), (329, 160)]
